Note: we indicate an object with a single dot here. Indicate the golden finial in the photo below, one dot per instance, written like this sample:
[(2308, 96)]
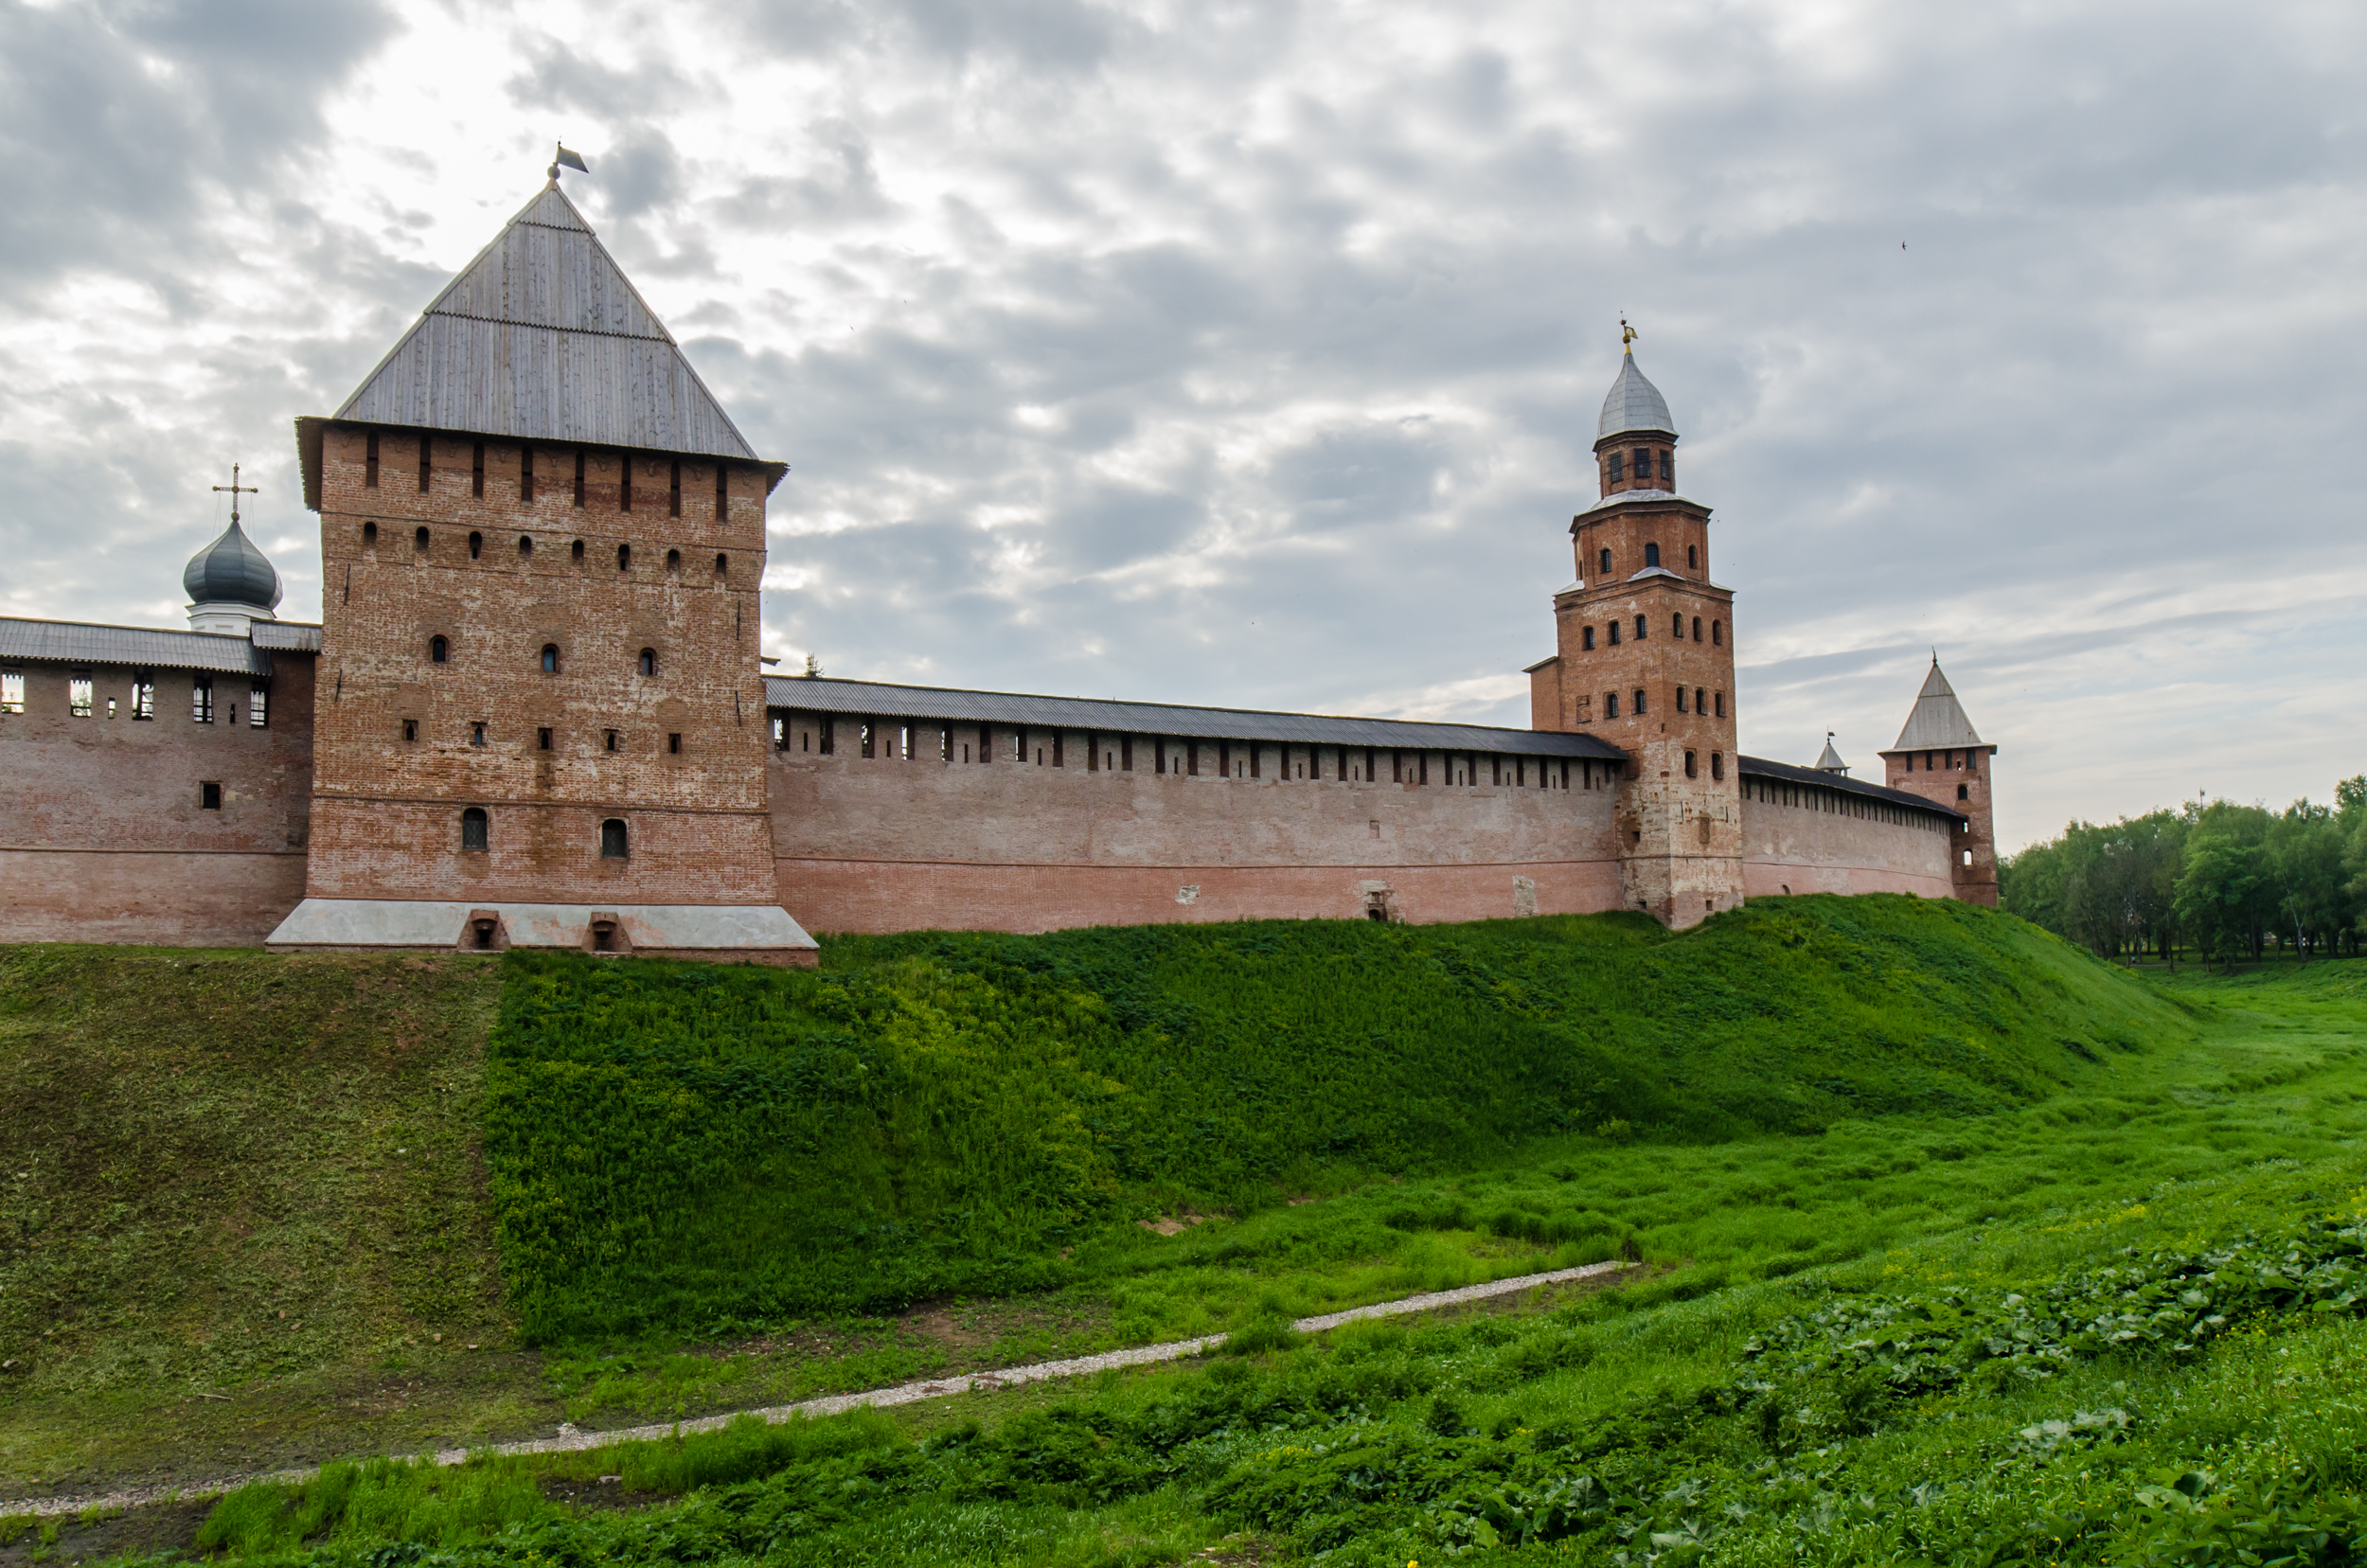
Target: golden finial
[(1626, 335)]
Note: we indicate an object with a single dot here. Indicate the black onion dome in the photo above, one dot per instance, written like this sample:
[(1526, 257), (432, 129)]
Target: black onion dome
[(232, 571)]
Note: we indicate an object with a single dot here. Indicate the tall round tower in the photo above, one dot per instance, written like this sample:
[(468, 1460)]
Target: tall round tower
[(1647, 662)]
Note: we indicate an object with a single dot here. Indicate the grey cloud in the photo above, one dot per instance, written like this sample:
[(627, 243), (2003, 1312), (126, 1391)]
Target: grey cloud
[(558, 77), (105, 161)]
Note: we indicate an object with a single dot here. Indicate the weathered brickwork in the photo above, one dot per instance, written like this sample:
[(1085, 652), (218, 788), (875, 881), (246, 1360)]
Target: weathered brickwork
[(599, 663), (110, 835), (1808, 840), (1015, 843), (1960, 780)]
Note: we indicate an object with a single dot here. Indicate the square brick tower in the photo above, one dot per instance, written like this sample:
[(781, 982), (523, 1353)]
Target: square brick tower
[(541, 716), (1647, 662), (1940, 757)]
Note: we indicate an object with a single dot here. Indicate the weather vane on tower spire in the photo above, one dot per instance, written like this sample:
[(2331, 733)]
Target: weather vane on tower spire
[(1626, 335), (564, 159)]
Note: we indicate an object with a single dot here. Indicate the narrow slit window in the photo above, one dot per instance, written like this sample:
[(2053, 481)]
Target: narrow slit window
[(673, 493), (578, 477), (1691, 771), (1677, 626), (550, 658), (1587, 639), (1614, 634), (722, 493), (1639, 702), (477, 546), (624, 558), (543, 738), (577, 552), (1639, 629), (525, 473), (649, 661), (438, 651), (614, 741), (425, 464), (1717, 765), (1606, 559), (1721, 704), (476, 733), (1693, 557), (673, 561), (1717, 634), (410, 729), (419, 539), (723, 565), (1696, 629), (369, 535), (673, 746), (476, 472), (369, 461), (1681, 699), (623, 485), (526, 546)]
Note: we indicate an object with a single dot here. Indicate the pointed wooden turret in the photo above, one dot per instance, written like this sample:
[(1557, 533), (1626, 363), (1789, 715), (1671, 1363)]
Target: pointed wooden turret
[(1942, 758)]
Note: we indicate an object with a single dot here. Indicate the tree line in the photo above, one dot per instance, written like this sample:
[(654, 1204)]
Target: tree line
[(2224, 879)]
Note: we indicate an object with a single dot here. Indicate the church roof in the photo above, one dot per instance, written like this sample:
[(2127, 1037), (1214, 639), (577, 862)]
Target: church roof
[(1633, 403), (1938, 721), (542, 337), (873, 699), (232, 571)]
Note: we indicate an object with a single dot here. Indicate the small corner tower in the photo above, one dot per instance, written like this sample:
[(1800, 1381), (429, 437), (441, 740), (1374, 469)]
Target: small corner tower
[(540, 715), (1645, 659), (1941, 758)]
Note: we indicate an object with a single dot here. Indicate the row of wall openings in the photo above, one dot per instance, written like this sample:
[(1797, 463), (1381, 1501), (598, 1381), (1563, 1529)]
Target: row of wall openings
[(1701, 702), (1651, 558), (817, 734), (439, 651), (476, 836), (1643, 624), (1951, 762), (422, 540), (81, 698), (1837, 803), (1641, 460), (1717, 765), (545, 738), (525, 476)]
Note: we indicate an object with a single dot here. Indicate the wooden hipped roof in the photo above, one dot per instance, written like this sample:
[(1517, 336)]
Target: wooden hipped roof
[(542, 338)]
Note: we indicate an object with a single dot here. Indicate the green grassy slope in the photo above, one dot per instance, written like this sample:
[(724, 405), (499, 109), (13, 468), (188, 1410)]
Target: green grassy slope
[(690, 1146), (223, 1168), (2123, 1326)]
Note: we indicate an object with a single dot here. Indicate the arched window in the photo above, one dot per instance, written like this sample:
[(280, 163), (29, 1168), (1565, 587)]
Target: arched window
[(437, 648), (614, 845), (1639, 629), (1651, 555), (1696, 629), (476, 546), (723, 565), (1618, 467), (369, 533), (1693, 557), (579, 550), (1718, 633), (1614, 634), (1691, 771), (1639, 702), (1677, 626), (673, 561), (1718, 764), (550, 658), (1700, 701), (624, 558), (473, 828), (1606, 563), (526, 546), (1681, 704), (419, 540), (1610, 704), (649, 661), (1968, 857), (1721, 700), (1588, 636), (1963, 793)]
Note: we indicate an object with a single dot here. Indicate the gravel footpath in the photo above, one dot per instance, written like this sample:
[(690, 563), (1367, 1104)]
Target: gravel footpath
[(570, 1439)]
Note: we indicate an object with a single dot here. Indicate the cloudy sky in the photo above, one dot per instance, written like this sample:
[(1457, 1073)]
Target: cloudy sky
[(1250, 353)]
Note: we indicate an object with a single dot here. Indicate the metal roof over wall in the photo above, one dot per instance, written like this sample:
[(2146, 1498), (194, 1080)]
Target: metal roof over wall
[(137, 646), (878, 700), (1759, 767)]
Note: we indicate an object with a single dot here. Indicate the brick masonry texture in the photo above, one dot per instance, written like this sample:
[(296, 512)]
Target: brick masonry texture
[(1962, 781)]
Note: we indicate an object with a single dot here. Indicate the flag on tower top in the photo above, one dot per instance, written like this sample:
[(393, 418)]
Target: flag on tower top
[(570, 160)]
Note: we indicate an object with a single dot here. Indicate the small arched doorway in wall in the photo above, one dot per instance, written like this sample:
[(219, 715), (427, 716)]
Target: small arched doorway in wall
[(1380, 902)]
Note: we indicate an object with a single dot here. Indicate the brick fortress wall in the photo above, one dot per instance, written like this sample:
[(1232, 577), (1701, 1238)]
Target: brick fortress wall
[(893, 842), (1799, 838), (516, 559), (110, 839)]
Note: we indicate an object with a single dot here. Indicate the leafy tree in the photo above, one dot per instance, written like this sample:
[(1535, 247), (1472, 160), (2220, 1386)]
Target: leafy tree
[(2225, 885)]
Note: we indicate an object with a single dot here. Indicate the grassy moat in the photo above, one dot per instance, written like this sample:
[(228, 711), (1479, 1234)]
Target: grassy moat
[(1957, 1245)]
